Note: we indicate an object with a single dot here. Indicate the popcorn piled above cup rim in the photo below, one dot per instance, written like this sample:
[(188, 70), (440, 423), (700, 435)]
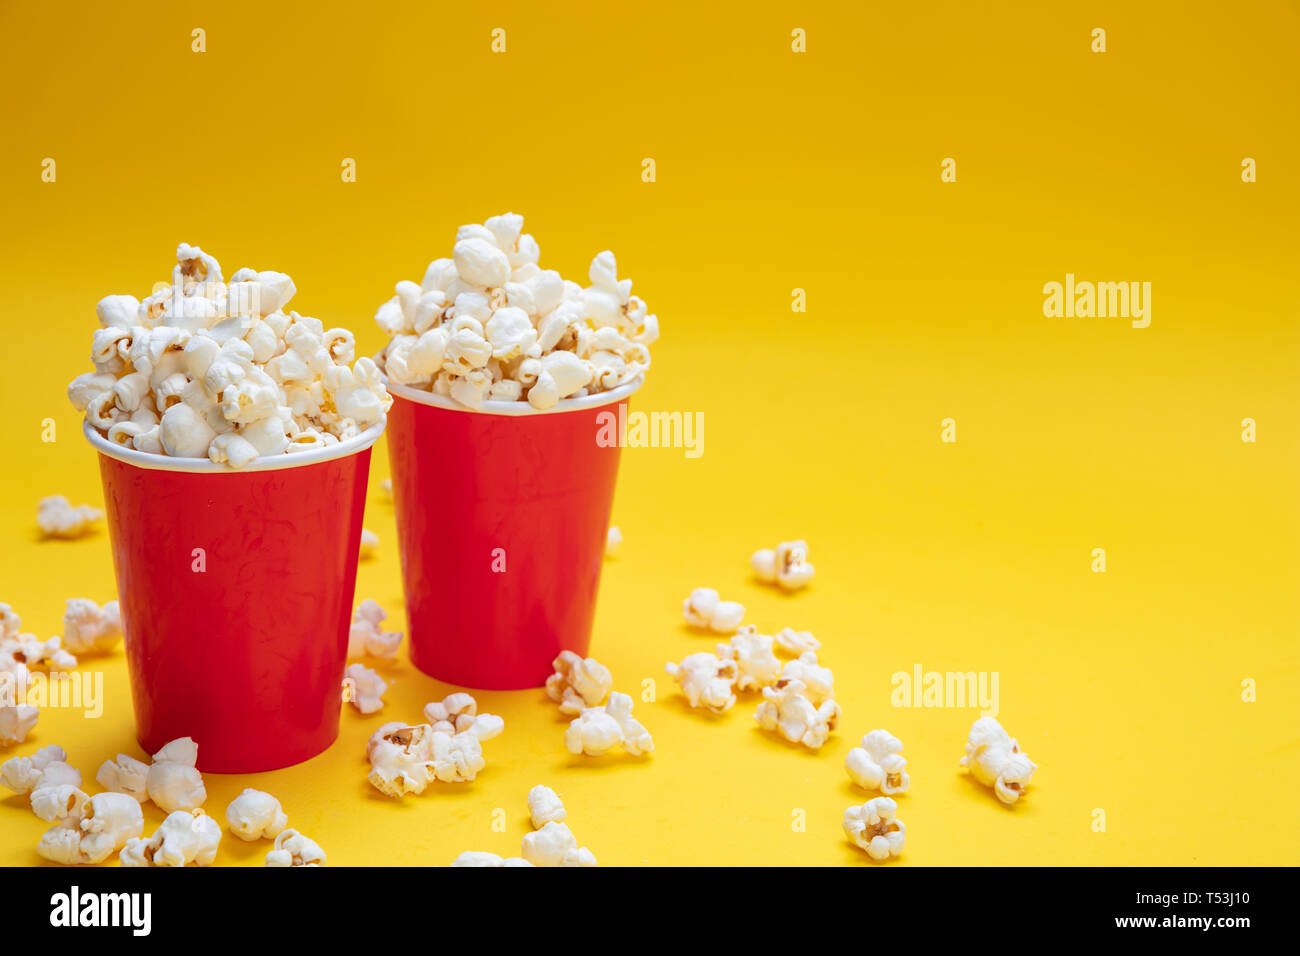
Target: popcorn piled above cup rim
[(205, 368), (489, 324)]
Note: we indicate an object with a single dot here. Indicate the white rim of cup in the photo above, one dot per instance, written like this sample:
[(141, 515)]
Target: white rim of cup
[(517, 409), (203, 466)]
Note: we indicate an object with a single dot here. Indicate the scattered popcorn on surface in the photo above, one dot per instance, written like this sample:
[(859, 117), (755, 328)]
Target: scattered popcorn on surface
[(125, 775), (20, 653), (878, 764), (994, 758), (578, 682), (206, 369), (703, 609), (872, 828), (544, 806), (707, 680), (369, 544), (173, 782), (598, 730), (458, 714), (787, 566), (186, 836), (294, 849), (59, 519), (255, 815), (818, 681), (90, 629), (613, 541), (62, 804), (366, 688), (756, 664), (787, 709), (366, 638), (489, 324), (794, 642), (555, 845), (107, 821), (16, 722), (47, 767)]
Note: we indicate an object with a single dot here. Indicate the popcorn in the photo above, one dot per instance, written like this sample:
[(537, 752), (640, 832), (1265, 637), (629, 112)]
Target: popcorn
[(703, 609), (994, 758), (366, 688), (489, 325), (544, 807), (787, 565), (366, 639), (878, 764), (458, 714), (125, 775), (613, 541), (185, 837), (294, 849), (205, 369), (472, 858), (756, 664), (578, 682), (62, 804), (88, 628), (787, 709), (16, 722), (18, 655), (386, 489), (45, 768), (598, 730), (400, 759), (369, 544), (59, 519), (707, 680), (872, 828), (255, 815), (818, 681), (107, 821), (173, 782), (456, 758), (555, 845), (796, 642)]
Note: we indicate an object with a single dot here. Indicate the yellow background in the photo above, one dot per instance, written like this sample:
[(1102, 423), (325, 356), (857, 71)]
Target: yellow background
[(775, 170)]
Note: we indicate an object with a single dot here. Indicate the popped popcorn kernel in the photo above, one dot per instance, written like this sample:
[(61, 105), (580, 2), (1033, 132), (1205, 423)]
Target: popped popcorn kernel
[(994, 759), (369, 544), (88, 628), (255, 815), (293, 849), (186, 836), (787, 565), (173, 781), (474, 858), (16, 722), (401, 759), (458, 714), (367, 688), (107, 821), (366, 637), (47, 767), (794, 643), (555, 845), (578, 682), (873, 828), (57, 518), (613, 541), (756, 664), (125, 775), (597, 730), (787, 709), (544, 806), (707, 680), (704, 609), (878, 764), (818, 681)]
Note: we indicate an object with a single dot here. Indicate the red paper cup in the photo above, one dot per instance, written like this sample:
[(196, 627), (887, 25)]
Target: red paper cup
[(501, 519), (236, 594)]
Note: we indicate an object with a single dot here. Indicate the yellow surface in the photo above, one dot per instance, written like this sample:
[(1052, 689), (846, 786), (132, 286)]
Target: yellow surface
[(775, 170)]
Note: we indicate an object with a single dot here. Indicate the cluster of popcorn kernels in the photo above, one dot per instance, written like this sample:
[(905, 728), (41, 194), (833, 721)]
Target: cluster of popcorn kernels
[(551, 843), (489, 324), (580, 686), (205, 368), (406, 758)]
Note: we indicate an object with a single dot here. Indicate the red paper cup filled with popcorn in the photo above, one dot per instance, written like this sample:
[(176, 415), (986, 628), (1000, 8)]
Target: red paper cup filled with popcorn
[(510, 389), (234, 447)]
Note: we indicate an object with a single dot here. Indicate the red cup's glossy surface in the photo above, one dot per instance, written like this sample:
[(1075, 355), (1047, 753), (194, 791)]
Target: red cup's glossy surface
[(247, 655), (473, 490)]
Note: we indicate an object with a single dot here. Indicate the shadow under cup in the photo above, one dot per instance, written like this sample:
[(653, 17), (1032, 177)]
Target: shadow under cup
[(502, 515), (236, 595)]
